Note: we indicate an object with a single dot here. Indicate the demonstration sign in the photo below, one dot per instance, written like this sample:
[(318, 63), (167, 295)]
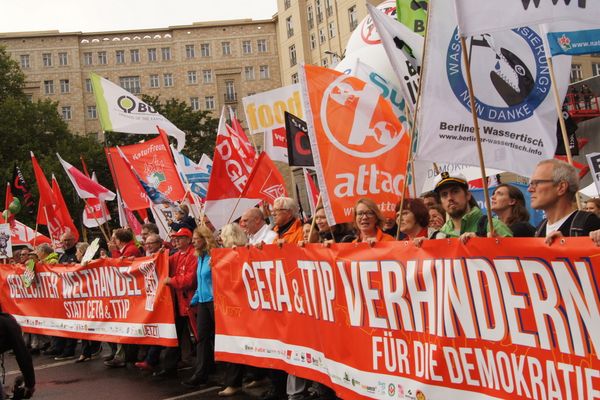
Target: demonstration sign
[(496, 318), (111, 300)]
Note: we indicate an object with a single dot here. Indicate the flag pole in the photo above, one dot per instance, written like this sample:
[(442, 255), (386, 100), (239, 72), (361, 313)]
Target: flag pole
[(486, 191), (561, 119), (96, 219), (48, 225), (312, 224), (86, 172)]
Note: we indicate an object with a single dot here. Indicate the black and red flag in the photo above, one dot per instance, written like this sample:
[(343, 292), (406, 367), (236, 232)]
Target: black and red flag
[(20, 190)]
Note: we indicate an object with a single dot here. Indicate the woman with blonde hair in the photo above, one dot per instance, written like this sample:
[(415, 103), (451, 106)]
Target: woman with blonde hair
[(203, 242), (368, 222)]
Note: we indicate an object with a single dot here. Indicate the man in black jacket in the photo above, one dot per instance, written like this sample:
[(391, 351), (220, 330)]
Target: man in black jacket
[(11, 338)]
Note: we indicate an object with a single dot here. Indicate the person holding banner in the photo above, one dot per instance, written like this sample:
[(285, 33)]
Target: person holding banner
[(508, 203), (368, 222), (339, 233), (553, 187), (414, 219), (466, 218), (287, 224), (89, 348), (203, 242), (437, 217), (253, 223)]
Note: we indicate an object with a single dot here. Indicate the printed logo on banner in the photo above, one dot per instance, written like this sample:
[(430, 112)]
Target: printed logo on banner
[(420, 395), (128, 105), (391, 390), (151, 330), (516, 80), (564, 42), (368, 33), (356, 135)]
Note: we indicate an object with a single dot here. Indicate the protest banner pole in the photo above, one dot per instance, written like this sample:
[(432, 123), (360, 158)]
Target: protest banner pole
[(486, 191), (561, 119)]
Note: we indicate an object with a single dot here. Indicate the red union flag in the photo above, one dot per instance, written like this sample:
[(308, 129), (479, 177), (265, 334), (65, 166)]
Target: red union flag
[(265, 181), (359, 146)]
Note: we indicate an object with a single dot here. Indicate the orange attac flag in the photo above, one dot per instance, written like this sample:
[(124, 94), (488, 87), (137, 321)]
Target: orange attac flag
[(359, 146), (265, 181)]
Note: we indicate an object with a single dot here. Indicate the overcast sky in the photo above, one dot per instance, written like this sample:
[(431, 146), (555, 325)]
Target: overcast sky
[(106, 15)]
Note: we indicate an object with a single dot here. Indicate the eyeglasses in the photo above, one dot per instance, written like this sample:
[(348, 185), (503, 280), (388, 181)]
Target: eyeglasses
[(278, 210), (367, 213), (535, 182), (147, 243)]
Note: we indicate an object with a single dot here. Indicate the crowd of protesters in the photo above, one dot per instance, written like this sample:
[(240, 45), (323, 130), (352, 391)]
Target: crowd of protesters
[(449, 211)]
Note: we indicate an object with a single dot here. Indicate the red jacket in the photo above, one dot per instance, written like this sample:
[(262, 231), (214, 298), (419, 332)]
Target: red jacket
[(182, 270), (130, 250)]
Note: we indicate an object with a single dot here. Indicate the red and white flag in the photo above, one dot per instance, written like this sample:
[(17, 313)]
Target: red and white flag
[(239, 133), (265, 181), (85, 187), (95, 212), (62, 209), (311, 190), (230, 172)]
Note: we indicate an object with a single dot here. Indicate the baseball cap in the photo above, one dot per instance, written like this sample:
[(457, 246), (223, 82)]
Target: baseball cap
[(446, 179), (182, 232)]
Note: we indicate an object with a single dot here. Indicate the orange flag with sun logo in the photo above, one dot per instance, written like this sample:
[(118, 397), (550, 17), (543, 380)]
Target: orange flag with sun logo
[(359, 146)]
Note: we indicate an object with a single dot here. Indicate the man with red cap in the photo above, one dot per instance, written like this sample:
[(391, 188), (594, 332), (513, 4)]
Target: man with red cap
[(182, 280)]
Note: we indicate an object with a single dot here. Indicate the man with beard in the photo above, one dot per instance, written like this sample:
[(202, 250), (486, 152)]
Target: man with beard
[(466, 218)]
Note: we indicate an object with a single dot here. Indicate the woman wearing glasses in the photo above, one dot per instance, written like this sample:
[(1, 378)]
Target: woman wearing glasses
[(368, 222)]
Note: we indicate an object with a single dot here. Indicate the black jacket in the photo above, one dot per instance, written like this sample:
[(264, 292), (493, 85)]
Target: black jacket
[(11, 338)]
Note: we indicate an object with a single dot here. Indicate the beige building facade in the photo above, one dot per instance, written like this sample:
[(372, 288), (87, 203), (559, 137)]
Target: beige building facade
[(207, 65)]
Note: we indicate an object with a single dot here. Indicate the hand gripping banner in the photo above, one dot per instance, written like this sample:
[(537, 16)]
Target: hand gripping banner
[(496, 318), (113, 300)]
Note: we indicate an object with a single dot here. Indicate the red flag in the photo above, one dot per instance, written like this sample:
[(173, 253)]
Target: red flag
[(85, 187), (239, 133), (229, 174), (47, 199), (62, 210), (265, 181), (95, 212)]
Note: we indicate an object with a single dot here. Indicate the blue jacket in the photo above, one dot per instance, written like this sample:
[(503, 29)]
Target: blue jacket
[(204, 291)]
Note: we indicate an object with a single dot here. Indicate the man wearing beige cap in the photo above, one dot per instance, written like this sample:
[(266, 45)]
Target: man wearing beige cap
[(466, 218)]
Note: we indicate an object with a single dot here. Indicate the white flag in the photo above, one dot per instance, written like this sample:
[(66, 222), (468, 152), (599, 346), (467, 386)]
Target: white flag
[(276, 144), (121, 111), (485, 16), (513, 93), (593, 160), (404, 49)]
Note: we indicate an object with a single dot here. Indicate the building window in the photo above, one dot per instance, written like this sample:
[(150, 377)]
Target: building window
[(205, 49), (325, 62), (131, 84), (48, 87), (102, 58), (576, 74), (207, 76), (209, 102), (294, 78), (63, 59), (87, 59), (595, 69), (292, 55), (328, 8), (309, 17), (264, 72), (190, 51), (65, 87), (322, 36), (154, 81), (168, 80), (332, 32), (120, 56), (195, 103), (191, 77), (166, 53), (249, 72), (289, 26), (152, 55), (135, 55), (66, 113), (88, 85), (319, 11), (352, 18), (91, 112), (25, 61), (261, 44), (287, 4), (313, 41), (47, 59), (226, 47), (247, 47), (230, 91)]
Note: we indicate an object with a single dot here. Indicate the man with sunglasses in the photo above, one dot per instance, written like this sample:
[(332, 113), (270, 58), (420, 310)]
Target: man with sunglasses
[(553, 187)]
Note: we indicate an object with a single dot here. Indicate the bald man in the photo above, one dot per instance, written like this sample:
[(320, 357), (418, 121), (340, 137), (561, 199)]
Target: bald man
[(253, 223)]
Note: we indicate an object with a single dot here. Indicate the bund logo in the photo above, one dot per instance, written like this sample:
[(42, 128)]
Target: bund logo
[(368, 33), (129, 105), (353, 115)]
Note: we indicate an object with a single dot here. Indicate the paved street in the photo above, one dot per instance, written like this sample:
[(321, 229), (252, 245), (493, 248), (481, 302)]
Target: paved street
[(59, 380)]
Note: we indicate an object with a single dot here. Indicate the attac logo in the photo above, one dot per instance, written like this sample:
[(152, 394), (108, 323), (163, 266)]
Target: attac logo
[(510, 74), (128, 105), (366, 134), (368, 33)]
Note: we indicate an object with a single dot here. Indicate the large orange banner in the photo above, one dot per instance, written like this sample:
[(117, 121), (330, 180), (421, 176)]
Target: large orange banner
[(359, 145), (113, 300), (496, 318)]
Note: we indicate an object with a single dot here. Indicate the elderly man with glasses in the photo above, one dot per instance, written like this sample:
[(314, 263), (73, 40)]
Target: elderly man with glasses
[(287, 224)]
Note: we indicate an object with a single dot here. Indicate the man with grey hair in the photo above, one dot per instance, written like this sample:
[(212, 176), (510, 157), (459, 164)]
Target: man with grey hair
[(553, 187), (253, 223), (287, 225)]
